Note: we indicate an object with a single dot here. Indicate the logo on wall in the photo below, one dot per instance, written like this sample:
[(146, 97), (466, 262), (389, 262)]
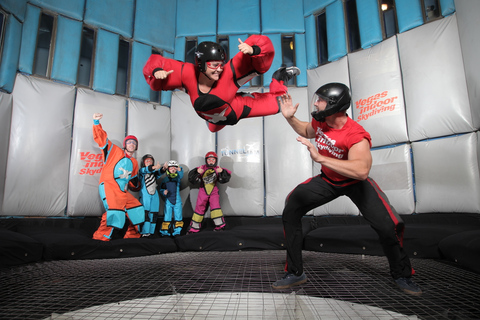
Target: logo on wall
[(249, 152), (92, 163), (380, 104)]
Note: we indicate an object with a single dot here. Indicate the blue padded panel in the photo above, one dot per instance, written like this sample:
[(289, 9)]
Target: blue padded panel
[(67, 50), (369, 23), (196, 18), (29, 39), (282, 16), (106, 62), (311, 45), (233, 44), (314, 6), (301, 59), (139, 88), (10, 54), (337, 44), (448, 7), (157, 30), (409, 14), (179, 49), (15, 7), (277, 59), (70, 8), (113, 15), (238, 17), (166, 96)]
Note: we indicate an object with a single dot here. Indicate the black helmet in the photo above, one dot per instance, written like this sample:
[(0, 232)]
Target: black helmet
[(208, 51), (145, 157), (337, 96)]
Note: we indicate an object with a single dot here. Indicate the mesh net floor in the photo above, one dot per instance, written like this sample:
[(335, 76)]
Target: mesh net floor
[(233, 285)]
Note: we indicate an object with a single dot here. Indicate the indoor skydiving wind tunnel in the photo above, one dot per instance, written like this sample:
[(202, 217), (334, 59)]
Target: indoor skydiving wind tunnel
[(414, 76)]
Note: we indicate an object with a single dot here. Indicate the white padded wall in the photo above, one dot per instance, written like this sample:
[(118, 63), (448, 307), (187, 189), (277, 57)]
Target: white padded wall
[(241, 151), (447, 174), (287, 162), (86, 159), (190, 141), (6, 101), (435, 88), (392, 171), (377, 93), (333, 72), (38, 156), (151, 125)]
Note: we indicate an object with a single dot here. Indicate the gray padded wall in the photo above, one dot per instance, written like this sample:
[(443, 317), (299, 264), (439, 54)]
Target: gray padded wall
[(468, 26), (287, 162), (38, 155), (86, 158), (6, 101), (447, 174), (436, 96)]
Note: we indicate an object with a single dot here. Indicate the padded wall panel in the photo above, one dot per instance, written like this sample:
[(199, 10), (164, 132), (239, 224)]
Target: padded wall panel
[(38, 162), (436, 96), (287, 162), (311, 47), (282, 16), (277, 59), (241, 149), (139, 88), (236, 17), (86, 156), (332, 72), (16, 7), (29, 39), (10, 53), (314, 6), (196, 18), (5, 119), (409, 14), (301, 59), (166, 96), (448, 7), (369, 23), (70, 8), (377, 93), (190, 141), (155, 23), (468, 26), (151, 125), (67, 50), (113, 15), (336, 34), (446, 174), (392, 171), (179, 53), (106, 62)]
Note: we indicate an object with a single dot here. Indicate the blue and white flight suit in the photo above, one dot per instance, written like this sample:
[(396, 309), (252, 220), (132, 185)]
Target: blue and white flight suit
[(173, 203)]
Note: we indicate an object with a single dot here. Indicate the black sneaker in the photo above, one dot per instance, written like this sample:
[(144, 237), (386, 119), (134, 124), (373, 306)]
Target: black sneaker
[(285, 74), (289, 280), (408, 286)]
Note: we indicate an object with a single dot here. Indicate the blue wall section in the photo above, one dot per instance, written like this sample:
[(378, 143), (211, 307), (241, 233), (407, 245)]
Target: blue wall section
[(155, 23), (282, 16), (67, 50), (448, 7), (139, 89), (238, 17), (29, 39), (15, 7), (106, 62), (311, 47), (70, 8), (369, 23), (113, 15), (301, 59), (166, 96), (336, 34), (409, 14), (277, 59), (196, 18), (315, 6), (10, 54)]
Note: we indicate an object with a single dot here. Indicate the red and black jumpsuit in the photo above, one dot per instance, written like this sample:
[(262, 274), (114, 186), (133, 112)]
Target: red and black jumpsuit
[(223, 105), (366, 195)]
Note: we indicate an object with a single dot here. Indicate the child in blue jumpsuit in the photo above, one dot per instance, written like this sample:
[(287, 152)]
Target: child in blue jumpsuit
[(170, 189), (148, 174)]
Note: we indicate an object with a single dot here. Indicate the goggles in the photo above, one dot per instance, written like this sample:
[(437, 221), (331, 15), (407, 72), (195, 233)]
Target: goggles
[(214, 65)]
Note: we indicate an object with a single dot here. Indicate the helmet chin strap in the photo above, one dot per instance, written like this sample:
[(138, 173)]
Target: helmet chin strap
[(205, 74)]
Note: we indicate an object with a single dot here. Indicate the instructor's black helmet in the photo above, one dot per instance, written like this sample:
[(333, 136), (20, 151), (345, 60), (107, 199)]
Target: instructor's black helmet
[(337, 96), (208, 51)]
